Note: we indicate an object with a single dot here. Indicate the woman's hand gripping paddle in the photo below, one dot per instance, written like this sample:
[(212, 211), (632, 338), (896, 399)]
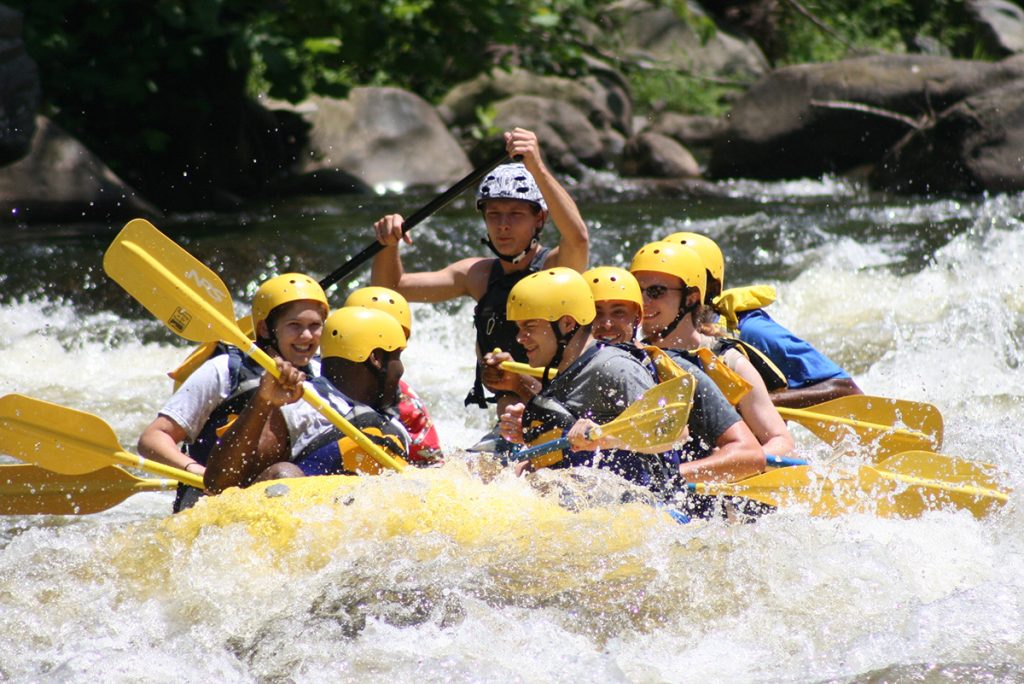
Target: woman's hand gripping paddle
[(30, 490), (68, 441), (193, 302)]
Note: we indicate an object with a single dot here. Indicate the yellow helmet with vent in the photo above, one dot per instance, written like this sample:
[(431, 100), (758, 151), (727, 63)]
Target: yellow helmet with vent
[(353, 332), (706, 248), (673, 259), (284, 289), (386, 300), (550, 294), (609, 283)]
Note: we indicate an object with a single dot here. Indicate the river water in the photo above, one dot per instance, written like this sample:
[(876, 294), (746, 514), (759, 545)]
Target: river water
[(465, 574)]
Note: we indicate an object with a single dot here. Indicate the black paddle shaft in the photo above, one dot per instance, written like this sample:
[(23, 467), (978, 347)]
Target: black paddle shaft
[(423, 213)]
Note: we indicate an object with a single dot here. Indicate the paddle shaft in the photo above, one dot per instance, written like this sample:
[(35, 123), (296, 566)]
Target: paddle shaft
[(424, 212)]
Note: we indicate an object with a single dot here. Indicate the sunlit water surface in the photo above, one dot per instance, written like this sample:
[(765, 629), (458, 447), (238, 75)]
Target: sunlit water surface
[(468, 574)]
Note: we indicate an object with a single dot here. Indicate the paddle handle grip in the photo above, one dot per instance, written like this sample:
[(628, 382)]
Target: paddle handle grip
[(783, 461), (526, 369), (546, 448), (424, 212)]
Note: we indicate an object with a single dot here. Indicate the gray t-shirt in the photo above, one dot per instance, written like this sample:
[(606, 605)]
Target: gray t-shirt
[(711, 415), (600, 384)]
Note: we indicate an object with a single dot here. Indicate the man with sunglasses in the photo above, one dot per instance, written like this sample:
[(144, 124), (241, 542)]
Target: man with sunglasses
[(553, 311), (716, 430)]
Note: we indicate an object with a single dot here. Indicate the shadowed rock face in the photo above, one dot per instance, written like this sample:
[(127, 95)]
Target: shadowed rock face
[(799, 122), (59, 179), (976, 145), (19, 89)]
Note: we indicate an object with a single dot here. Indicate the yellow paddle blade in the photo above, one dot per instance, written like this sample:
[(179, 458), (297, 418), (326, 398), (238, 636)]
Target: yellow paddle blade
[(31, 490), (68, 441), (173, 285), (864, 490), (655, 421), (891, 425), (194, 303), (949, 469)]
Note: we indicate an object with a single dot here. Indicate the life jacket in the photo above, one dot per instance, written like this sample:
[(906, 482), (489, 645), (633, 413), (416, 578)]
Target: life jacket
[(493, 329), (424, 444), (244, 375), (730, 304), (334, 453), (545, 418)]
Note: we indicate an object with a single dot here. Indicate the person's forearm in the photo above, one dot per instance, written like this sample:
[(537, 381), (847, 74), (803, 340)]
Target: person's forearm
[(158, 446), (387, 268), (235, 460), (815, 394), (725, 464)]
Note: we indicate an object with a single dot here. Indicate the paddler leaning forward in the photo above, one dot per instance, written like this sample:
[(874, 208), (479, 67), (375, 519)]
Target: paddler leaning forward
[(553, 310), (276, 435)]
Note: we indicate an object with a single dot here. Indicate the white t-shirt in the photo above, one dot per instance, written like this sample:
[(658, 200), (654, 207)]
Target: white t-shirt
[(305, 423), (197, 398)]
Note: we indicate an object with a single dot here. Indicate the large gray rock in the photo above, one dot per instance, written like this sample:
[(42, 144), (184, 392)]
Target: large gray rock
[(657, 35), (976, 145), (568, 140), (19, 89), (811, 119), (60, 180), (653, 155), (603, 97), (1000, 23), (385, 137)]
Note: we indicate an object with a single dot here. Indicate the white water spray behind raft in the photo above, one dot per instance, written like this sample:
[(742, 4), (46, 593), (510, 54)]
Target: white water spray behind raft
[(399, 583)]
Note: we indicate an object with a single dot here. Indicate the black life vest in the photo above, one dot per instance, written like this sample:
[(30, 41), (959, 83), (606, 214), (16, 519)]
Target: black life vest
[(493, 329)]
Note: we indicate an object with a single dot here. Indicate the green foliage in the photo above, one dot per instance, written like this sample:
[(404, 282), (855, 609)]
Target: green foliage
[(657, 89), (865, 26)]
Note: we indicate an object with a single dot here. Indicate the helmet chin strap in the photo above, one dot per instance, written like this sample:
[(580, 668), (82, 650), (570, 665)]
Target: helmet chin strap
[(511, 259), (684, 311), (563, 342)]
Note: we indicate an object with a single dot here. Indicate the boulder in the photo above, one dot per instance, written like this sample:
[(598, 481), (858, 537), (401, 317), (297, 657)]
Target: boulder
[(568, 140), (974, 146), (1000, 24), (19, 89), (655, 34), (60, 180), (689, 130), (812, 119), (653, 155), (387, 138), (602, 97)]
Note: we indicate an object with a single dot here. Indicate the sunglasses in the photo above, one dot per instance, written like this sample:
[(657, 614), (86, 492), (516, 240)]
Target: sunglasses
[(658, 291)]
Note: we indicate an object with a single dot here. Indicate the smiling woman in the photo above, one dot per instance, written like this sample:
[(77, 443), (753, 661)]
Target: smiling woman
[(288, 314)]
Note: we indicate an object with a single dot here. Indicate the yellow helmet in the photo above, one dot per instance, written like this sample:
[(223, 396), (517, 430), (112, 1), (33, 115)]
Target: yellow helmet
[(551, 294), (706, 248), (673, 259), (353, 332), (283, 289), (383, 299), (613, 283)]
